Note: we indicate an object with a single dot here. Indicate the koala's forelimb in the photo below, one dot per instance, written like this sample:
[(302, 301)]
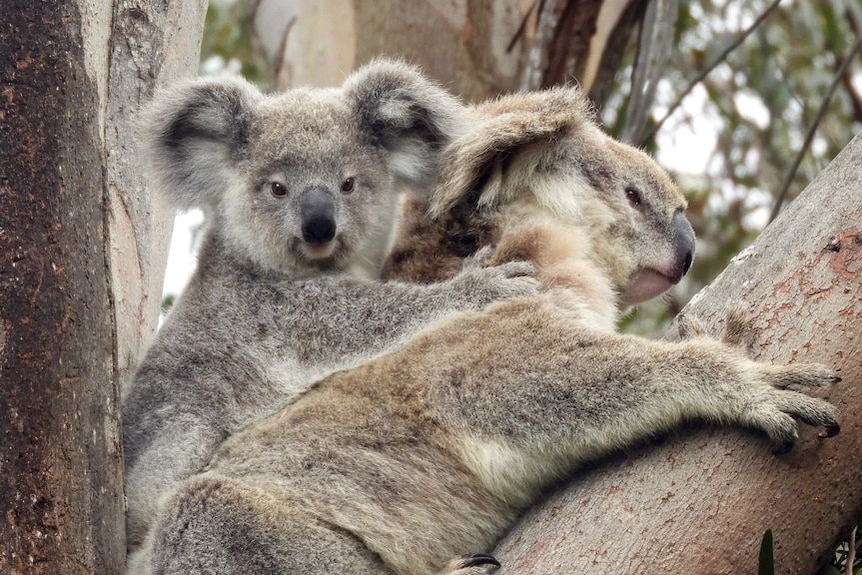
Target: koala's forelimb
[(597, 392)]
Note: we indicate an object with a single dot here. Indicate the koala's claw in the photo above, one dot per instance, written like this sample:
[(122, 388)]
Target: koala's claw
[(784, 445), (775, 416), (778, 426), (811, 410), (480, 559), (476, 564)]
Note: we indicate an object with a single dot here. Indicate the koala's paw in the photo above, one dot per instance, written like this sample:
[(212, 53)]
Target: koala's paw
[(476, 564), (738, 330), (801, 374), (498, 283), (479, 259), (689, 327), (776, 407)]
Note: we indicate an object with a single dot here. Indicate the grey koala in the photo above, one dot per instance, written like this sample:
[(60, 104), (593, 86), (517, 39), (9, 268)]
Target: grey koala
[(299, 190), (397, 465)]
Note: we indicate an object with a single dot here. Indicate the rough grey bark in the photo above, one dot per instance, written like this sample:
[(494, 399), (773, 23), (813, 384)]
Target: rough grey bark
[(79, 280), (701, 501), (150, 43)]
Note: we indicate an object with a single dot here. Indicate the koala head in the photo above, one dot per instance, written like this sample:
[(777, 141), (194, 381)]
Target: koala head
[(306, 180), (544, 151)]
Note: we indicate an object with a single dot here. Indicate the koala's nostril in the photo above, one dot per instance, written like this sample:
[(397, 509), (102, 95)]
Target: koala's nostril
[(687, 265), (318, 230), (317, 214)]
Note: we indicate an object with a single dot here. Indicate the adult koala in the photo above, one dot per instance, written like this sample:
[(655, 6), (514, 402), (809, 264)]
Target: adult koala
[(299, 190), (435, 449)]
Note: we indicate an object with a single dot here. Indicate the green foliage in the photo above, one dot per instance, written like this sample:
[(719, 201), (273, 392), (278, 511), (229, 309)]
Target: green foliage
[(766, 560), (760, 104), (838, 564), (229, 35), (167, 303)]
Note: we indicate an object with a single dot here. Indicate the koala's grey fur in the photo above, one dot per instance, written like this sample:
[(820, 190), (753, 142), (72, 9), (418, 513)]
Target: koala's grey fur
[(267, 311), (433, 450)]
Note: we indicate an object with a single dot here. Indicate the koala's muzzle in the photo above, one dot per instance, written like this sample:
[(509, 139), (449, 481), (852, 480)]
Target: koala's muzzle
[(317, 215), (654, 279), (683, 244)]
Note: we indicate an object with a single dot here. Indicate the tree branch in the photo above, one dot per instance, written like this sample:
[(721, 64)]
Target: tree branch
[(809, 137), (654, 49), (522, 27), (851, 553), (706, 71), (537, 57)]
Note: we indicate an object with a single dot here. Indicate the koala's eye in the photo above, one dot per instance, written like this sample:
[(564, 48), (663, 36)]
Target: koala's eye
[(347, 185), (278, 189), (634, 197)]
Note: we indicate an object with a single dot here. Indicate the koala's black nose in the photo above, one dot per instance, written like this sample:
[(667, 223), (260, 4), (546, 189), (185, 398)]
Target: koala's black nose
[(317, 215), (684, 243)]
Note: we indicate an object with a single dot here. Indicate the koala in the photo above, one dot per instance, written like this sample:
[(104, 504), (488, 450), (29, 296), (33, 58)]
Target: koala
[(300, 194), (434, 449)]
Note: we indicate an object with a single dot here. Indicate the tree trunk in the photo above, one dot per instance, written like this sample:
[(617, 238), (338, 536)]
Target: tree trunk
[(701, 501), (476, 48), (83, 257)]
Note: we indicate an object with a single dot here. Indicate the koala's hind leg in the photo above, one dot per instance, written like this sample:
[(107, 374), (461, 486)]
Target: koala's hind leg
[(219, 525)]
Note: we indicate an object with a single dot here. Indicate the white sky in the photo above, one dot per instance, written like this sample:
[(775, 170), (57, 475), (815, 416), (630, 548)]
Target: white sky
[(181, 258)]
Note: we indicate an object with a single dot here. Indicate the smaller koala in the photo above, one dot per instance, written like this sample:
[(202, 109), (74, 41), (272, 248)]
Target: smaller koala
[(396, 465), (300, 193)]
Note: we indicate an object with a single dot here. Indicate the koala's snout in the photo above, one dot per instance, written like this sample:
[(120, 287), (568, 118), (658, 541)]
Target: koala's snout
[(684, 244), (317, 215)]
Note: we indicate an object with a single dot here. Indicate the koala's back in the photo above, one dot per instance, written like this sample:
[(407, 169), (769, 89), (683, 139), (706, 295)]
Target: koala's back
[(362, 440)]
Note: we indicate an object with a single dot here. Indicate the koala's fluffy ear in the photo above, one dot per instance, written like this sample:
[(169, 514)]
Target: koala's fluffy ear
[(193, 134), (514, 130), (409, 116)]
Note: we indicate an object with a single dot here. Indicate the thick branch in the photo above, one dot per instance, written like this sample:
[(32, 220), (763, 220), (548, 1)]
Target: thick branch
[(701, 502)]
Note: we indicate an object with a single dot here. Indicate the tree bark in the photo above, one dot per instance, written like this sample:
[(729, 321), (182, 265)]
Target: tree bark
[(701, 501), (476, 48), (79, 276)]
